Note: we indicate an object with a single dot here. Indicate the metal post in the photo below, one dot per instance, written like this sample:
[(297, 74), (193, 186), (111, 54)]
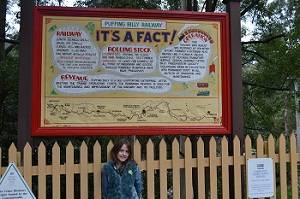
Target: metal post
[(24, 112)]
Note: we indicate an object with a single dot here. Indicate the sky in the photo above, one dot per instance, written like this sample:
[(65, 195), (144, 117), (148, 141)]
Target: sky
[(11, 17), (15, 27)]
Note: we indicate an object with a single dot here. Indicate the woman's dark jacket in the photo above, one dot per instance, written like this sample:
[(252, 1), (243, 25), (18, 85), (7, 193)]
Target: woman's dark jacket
[(123, 183)]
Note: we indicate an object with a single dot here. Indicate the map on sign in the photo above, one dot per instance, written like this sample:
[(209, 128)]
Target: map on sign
[(13, 185), (129, 72)]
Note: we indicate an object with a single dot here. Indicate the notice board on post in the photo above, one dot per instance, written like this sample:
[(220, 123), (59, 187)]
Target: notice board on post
[(123, 72)]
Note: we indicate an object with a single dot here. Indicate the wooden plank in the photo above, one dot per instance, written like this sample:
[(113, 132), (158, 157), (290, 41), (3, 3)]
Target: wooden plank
[(271, 154), (12, 154), (282, 165), (213, 168), (248, 155), (83, 170), (150, 170), (259, 147), (225, 167), (27, 165), (163, 164), (188, 168), (163, 169), (97, 170), (41, 171), (70, 171), (201, 169), (19, 160), (176, 169), (137, 152), (237, 168), (56, 171), (109, 147), (294, 172)]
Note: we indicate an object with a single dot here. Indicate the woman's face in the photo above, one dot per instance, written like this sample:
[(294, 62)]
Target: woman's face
[(123, 154)]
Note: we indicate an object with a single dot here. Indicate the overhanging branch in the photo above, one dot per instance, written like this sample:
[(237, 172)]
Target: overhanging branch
[(10, 47), (249, 7), (255, 53), (266, 87), (9, 41), (265, 40)]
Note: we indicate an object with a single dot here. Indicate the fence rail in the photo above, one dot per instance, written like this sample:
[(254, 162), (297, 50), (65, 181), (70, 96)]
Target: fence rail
[(82, 179)]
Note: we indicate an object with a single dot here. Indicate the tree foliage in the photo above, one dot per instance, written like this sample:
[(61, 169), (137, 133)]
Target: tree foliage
[(270, 67), (8, 78), (140, 4)]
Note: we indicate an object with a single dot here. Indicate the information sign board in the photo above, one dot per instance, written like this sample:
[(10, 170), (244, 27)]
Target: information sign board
[(260, 175), (111, 71), (13, 185)]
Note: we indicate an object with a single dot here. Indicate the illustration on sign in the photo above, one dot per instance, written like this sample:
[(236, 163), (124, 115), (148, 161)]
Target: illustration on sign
[(104, 71), (13, 185), (112, 71)]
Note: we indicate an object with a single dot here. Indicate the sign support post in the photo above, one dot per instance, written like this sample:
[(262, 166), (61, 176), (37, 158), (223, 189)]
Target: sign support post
[(24, 117), (233, 8)]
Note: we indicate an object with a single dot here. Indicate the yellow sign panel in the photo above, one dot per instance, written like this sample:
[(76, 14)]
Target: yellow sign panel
[(99, 71)]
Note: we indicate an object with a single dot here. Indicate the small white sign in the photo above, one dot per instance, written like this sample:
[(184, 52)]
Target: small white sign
[(260, 177), (13, 185)]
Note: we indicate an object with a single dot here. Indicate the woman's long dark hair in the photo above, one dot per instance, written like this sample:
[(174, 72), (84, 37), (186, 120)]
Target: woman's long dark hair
[(117, 147)]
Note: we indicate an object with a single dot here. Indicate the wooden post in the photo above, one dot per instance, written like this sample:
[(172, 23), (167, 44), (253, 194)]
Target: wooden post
[(233, 9), (24, 112)]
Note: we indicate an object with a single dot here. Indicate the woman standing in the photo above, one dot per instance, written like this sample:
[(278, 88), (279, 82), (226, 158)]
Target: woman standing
[(121, 177)]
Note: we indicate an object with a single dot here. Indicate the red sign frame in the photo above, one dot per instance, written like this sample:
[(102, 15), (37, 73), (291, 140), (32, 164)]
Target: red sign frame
[(37, 130)]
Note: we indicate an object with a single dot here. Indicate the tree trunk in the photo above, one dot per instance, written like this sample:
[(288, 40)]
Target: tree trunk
[(286, 116), (210, 5), (3, 6), (297, 101)]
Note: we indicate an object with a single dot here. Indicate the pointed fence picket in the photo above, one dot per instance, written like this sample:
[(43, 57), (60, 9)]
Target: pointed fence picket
[(176, 169), (271, 154), (163, 169), (97, 170), (56, 171), (219, 159), (237, 168), (28, 164), (213, 167), (282, 165), (201, 168), (42, 171), (294, 168), (188, 168), (225, 168), (150, 170), (248, 155), (260, 148), (70, 171), (12, 153), (83, 171)]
